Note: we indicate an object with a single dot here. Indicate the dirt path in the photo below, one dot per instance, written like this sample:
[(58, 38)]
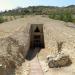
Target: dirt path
[(31, 66), (35, 67)]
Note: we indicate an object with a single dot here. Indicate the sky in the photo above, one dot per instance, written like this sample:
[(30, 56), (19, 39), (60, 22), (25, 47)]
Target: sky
[(11, 4)]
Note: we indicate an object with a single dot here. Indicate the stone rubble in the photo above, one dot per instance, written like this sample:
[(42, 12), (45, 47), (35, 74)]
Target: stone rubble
[(60, 60)]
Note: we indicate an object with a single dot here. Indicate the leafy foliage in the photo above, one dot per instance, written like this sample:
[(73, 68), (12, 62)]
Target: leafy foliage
[(59, 13), (67, 17), (1, 19)]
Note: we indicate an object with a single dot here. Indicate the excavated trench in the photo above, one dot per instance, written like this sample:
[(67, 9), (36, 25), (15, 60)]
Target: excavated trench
[(36, 40)]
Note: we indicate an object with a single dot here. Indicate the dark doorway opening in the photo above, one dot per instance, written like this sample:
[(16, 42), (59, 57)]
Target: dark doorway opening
[(37, 30), (36, 36), (36, 40)]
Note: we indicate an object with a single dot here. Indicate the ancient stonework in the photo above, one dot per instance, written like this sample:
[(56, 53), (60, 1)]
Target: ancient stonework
[(15, 39)]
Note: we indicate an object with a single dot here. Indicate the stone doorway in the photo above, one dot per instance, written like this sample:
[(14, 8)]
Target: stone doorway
[(36, 36), (36, 40)]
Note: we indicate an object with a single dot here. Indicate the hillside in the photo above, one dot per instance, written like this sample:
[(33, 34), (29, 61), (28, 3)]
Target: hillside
[(40, 10), (66, 14), (15, 44)]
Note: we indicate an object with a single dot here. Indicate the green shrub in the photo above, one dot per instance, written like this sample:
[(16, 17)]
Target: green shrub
[(1, 19), (6, 20), (22, 16), (67, 17), (52, 16)]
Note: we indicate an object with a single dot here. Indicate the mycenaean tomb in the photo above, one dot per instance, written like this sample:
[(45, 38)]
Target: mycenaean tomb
[(19, 36)]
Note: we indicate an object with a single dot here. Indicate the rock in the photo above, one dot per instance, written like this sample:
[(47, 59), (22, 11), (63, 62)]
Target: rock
[(44, 65), (58, 61)]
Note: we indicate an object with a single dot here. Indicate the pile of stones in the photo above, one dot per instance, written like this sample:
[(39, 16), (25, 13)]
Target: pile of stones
[(59, 60)]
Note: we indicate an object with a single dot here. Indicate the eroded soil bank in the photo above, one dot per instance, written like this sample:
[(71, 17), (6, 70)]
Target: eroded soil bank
[(15, 42)]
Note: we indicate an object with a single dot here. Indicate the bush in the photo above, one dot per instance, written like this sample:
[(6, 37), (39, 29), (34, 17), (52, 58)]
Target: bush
[(1, 19), (52, 16), (67, 17), (22, 16)]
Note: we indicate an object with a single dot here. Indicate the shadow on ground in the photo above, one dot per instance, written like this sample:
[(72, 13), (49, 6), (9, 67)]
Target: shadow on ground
[(32, 53)]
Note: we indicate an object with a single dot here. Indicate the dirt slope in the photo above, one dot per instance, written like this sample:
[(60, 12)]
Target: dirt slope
[(15, 40)]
